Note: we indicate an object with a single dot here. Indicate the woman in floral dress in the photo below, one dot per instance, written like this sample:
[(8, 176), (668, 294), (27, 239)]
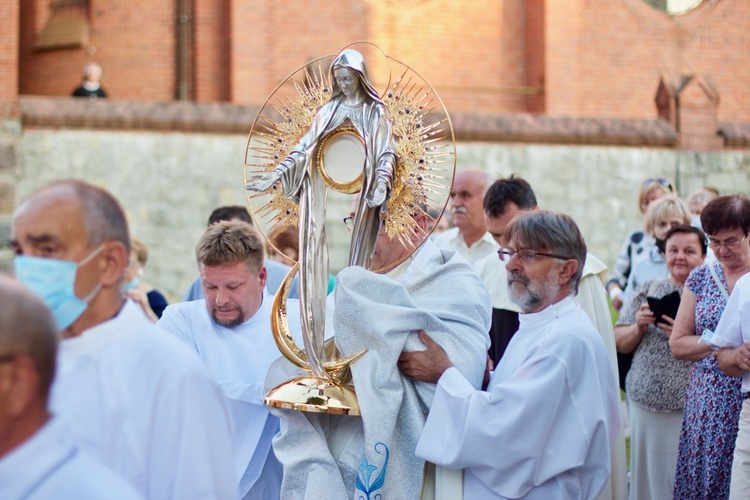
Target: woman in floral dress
[(714, 399)]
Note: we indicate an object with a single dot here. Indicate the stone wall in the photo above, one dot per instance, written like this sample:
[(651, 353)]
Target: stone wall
[(168, 184), (171, 164)]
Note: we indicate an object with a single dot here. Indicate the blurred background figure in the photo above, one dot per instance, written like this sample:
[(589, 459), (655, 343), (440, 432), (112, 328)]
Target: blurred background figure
[(637, 244), (283, 248), (90, 86), (38, 459), (436, 223), (698, 199), (657, 382), (284, 245), (150, 299)]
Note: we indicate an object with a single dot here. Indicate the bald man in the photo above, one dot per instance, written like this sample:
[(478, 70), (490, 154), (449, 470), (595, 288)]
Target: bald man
[(38, 460), (469, 237), (134, 397)]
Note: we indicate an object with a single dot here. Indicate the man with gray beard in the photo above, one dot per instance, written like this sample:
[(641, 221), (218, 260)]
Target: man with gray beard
[(551, 410)]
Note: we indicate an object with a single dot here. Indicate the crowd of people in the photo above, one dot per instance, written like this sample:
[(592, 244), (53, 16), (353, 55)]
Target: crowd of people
[(491, 351)]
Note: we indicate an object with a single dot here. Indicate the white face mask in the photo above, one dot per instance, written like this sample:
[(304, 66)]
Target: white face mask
[(54, 281)]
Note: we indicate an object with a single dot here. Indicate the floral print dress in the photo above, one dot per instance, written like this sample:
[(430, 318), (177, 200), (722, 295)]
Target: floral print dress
[(712, 408)]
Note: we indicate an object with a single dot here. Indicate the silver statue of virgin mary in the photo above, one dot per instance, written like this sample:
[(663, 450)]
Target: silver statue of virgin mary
[(399, 177)]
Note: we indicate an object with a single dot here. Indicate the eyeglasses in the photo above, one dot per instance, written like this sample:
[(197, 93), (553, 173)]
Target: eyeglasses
[(729, 243), (525, 255), (660, 180)]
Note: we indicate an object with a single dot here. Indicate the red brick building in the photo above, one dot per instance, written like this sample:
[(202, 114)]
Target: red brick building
[(572, 58)]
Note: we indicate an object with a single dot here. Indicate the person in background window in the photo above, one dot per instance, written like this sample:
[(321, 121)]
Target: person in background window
[(90, 86)]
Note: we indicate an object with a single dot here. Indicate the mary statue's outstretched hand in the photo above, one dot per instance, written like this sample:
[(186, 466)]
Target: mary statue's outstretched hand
[(262, 182), (378, 195)]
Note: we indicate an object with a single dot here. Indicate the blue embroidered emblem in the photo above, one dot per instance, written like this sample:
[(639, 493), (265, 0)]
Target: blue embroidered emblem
[(365, 474)]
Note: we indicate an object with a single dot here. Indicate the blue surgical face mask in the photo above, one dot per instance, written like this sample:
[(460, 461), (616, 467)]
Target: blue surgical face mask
[(132, 284), (54, 282)]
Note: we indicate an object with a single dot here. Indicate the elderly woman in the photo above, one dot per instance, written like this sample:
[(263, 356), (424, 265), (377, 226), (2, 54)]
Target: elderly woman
[(657, 382), (713, 399), (636, 244), (662, 215)]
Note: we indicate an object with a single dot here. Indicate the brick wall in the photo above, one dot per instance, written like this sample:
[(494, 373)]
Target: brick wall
[(9, 13), (607, 57), (592, 59), (133, 41)]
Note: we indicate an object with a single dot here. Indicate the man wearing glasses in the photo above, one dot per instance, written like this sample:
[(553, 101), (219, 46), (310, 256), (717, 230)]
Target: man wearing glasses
[(405, 292), (551, 411)]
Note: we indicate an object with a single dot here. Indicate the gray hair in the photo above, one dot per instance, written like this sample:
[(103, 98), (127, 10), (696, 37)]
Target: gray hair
[(229, 242), (103, 216), (27, 327), (547, 231)]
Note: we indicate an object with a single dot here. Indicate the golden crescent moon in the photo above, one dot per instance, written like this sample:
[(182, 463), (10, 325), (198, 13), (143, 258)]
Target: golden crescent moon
[(283, 337)]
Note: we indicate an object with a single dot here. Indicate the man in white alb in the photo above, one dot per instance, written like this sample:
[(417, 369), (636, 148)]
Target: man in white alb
[(502, 202), (133, 397), (230, 329), (431, 289), (544, 426), (38, 460)]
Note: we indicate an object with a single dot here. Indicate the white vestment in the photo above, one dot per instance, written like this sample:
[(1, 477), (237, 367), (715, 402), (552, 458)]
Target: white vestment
[(238, 359), (592, 297), (545, 425), (733, 329), (453, 240), (141, 403), (348, 457), (49, 465)]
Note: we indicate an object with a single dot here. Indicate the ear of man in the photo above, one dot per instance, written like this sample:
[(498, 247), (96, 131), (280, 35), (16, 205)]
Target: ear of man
[(567, 270), (115, 261)]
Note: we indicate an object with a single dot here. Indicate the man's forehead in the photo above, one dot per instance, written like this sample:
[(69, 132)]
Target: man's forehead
[(53, 212), (468, 181), (226, 273)]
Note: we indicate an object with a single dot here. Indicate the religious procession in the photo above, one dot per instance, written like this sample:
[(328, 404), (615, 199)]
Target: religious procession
[(393, 295)]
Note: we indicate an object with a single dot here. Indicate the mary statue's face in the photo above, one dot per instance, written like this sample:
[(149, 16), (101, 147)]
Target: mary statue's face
[(347, 81)]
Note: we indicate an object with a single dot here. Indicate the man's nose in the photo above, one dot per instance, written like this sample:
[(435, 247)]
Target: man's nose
[(221, 297), (513, 264)]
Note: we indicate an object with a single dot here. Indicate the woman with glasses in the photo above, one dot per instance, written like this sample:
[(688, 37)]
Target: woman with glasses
[(657, 382), (714, 399)]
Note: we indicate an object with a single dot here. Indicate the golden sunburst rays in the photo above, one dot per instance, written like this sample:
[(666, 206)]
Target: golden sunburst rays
[(425, 153), (278, 127), (423, 137)]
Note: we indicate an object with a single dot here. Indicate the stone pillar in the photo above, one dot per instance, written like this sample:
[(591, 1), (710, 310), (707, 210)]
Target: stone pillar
[(691, 106)]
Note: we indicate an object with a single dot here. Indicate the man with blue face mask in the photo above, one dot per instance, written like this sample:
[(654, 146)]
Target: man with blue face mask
[(133, 397)]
